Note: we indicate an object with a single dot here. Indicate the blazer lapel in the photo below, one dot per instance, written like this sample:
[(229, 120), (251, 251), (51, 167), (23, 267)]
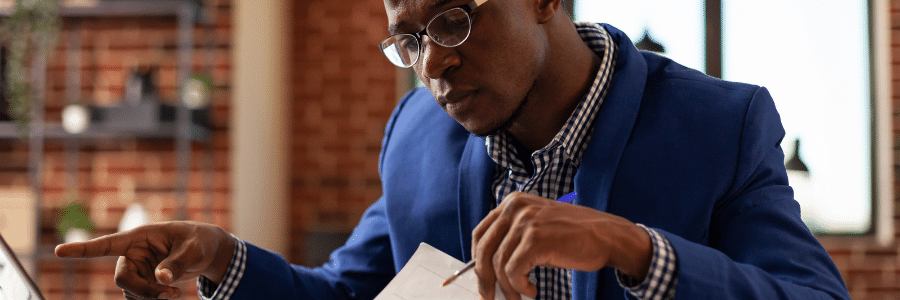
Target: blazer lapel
[(475, 174), (612, 130), (593, 181)]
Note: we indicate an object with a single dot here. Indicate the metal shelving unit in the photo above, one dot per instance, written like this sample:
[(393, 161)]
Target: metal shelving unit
[(182, 129)]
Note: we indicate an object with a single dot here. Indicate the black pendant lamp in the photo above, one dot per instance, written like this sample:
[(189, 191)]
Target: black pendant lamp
[(648, 44)]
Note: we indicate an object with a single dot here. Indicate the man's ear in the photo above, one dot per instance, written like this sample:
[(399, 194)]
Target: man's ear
[(546, 9)]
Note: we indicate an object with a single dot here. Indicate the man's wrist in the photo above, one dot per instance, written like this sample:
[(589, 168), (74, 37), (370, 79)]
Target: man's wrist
[(226, 288), (636, 253), (222, 258), (662, 278)]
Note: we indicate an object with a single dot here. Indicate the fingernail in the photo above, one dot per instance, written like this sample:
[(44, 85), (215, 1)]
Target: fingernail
[(167, 275), (164, 295)]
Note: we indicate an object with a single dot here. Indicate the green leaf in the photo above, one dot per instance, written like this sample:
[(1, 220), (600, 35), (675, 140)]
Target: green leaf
[(71, 216)]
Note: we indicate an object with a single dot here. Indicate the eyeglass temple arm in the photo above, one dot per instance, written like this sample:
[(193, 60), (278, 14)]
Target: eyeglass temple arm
[(472, 5)]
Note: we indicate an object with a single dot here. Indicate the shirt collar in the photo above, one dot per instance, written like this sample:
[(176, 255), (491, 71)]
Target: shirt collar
[(573, 137)]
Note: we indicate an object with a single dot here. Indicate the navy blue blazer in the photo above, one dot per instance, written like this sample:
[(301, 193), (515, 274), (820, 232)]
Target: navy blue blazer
[(696, 158)]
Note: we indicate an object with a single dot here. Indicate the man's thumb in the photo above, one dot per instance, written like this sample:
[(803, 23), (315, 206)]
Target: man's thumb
[(169, 270)]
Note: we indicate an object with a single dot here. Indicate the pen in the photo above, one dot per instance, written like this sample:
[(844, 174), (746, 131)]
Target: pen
[(457, 273), (568, 198)]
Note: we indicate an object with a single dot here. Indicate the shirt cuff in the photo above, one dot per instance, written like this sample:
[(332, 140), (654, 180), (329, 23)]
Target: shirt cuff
[(208, 290), (662, 277)]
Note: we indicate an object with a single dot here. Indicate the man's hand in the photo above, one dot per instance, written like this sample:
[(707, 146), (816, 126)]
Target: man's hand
[(527, 231), (153, 257)]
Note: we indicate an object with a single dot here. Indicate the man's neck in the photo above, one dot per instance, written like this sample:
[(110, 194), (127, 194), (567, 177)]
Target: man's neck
[(566, 77)]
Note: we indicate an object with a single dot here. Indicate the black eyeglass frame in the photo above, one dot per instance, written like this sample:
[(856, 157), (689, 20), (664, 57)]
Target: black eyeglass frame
[(467, 8)]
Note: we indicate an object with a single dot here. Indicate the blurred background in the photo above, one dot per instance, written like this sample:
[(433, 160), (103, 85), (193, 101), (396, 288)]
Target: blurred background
[(266, 118)]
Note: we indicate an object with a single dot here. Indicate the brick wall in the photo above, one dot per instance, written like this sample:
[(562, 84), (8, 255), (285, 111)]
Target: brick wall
[(112, 173), (343, 94)]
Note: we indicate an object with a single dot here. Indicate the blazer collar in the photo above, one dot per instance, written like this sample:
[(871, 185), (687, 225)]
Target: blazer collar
[(612, 130), (613, 126), (476, 169)]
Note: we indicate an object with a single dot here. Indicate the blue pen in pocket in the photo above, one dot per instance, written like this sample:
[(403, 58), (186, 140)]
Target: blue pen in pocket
[(568, 198)]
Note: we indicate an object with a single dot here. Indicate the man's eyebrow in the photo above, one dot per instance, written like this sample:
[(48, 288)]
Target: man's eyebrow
[(440, 3)]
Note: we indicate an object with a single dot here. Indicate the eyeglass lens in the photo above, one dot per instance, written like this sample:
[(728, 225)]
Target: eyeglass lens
[(402, 49), (448, 29)]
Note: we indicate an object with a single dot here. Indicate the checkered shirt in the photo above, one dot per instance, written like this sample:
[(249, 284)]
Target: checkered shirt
[(208, 289), (663, 276), (554, 169)]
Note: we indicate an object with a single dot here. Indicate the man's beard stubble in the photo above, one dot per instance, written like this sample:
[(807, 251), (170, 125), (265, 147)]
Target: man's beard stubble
[(512, 118)]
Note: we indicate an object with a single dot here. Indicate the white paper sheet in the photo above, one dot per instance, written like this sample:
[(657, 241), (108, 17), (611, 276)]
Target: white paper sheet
[(423, 274)]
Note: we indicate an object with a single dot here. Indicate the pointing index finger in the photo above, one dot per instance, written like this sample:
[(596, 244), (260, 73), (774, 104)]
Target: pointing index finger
[(111, 245)]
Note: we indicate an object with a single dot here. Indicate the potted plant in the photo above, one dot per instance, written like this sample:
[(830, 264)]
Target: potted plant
[(30, 32)]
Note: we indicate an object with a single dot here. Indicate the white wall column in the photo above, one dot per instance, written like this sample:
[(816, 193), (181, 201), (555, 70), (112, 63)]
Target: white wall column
[(259, 129)]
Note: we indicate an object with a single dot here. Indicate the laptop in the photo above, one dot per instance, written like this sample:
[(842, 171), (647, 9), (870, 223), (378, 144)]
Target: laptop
[(15, 284)]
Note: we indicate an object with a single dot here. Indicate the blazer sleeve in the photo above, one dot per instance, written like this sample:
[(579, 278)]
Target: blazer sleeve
[(358, 270), (758, 246)]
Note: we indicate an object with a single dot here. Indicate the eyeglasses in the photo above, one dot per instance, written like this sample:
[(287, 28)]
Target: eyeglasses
[(449, 28)]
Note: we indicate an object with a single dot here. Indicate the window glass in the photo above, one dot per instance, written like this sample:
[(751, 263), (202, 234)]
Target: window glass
[(813, 57), (677, 25)]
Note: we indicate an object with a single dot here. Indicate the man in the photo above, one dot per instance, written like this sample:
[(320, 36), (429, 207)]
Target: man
[(680, 187)]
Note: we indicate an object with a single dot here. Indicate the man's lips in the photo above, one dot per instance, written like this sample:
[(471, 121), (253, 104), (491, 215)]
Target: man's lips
[(455, 96)]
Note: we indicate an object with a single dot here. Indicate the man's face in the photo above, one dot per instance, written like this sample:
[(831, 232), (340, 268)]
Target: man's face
[(482, 82)]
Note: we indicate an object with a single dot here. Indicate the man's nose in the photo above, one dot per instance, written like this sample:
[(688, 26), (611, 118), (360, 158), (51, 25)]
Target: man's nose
[(437, 60)]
